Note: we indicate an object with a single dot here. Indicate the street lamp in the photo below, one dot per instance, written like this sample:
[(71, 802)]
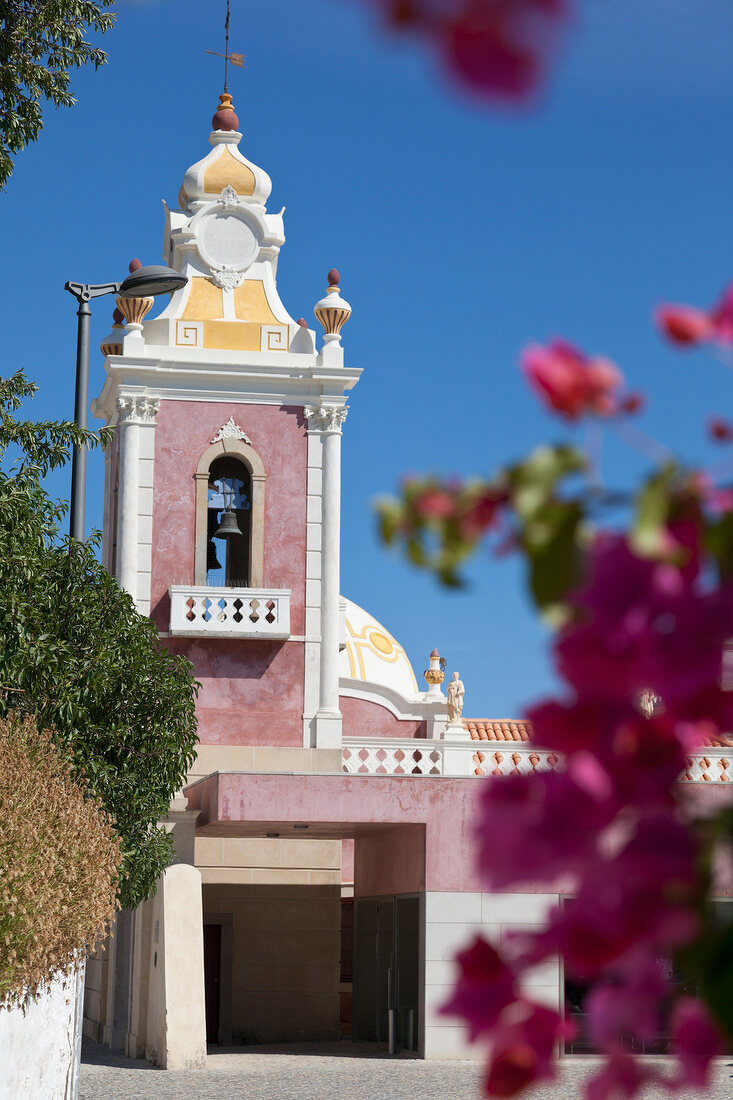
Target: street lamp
[(140, 283)]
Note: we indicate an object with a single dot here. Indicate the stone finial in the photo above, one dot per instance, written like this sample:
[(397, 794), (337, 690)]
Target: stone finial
[(435, 674), (112, 343), (332, 311), (225, 118), (134, 309)]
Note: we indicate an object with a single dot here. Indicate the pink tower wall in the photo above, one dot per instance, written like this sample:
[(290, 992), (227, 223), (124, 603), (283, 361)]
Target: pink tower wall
[(252, 691)]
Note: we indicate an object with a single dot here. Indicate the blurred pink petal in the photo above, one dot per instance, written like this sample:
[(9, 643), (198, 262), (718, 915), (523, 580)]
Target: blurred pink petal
[(522, 1051), (484, 987), (695, 1040), (719, 429), (721, 317), (571, 383), (684, 325)]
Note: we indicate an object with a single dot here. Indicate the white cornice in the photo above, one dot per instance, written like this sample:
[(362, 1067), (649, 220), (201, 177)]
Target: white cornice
[(268, 379)]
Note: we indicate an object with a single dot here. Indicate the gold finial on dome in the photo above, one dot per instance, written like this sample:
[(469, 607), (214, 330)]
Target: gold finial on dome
[(225, 118), (332, 311), (436, 673)]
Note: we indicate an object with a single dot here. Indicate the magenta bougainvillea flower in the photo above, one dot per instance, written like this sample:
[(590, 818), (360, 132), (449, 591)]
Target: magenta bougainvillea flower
[(688, 326), (570, 382), (485, 986), (684, 325), (496, 48), (648, 625), (695, 1040)]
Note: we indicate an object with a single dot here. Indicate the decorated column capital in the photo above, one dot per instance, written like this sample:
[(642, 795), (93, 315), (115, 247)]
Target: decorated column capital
[(137, 410), (325, 418)]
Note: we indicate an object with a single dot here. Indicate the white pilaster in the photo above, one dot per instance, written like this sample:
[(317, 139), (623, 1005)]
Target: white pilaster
[(136, 422), (327, 421), (314, 517)]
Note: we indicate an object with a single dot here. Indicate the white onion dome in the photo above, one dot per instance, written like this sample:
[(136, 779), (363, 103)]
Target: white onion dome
[(224, 166)]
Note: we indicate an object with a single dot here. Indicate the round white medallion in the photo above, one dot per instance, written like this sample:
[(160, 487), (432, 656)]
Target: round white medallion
[(229, 241)]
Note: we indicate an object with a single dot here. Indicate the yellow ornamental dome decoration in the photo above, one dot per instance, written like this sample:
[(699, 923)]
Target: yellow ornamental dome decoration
[(224, 167), (227, 171)]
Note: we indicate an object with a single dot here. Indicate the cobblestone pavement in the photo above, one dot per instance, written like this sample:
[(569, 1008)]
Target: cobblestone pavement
[(322, 1071)]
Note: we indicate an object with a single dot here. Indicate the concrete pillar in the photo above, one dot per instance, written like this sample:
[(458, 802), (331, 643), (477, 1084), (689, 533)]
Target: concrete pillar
[(176, 1020)]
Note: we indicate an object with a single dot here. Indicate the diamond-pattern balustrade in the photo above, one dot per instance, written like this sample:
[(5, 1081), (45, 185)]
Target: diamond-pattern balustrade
[(230, 612), (415, 756)]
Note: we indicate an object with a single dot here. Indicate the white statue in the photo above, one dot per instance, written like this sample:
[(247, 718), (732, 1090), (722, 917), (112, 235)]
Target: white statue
[(456, 691)]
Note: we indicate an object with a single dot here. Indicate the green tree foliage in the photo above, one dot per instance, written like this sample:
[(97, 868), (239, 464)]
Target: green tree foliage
[(40, 41), (75, 652)]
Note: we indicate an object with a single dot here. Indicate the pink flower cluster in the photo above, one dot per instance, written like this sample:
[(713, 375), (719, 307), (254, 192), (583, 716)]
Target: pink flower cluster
[(688, 326), (497, 48), (606, 828), (472, 512), (574, 384)]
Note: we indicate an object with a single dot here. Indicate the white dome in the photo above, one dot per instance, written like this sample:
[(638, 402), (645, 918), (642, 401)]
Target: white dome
[(373, 657)]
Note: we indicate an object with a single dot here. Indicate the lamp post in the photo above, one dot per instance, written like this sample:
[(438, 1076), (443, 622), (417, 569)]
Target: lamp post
[(140, 283)]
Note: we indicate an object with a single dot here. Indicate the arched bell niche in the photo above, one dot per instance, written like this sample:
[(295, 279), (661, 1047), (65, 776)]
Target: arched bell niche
[(230, 476)]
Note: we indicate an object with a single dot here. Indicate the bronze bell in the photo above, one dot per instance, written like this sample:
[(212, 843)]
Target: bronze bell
[(212, 562), (228, 528)]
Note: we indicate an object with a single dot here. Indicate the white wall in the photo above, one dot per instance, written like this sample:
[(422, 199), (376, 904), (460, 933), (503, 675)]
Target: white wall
[(41, 1050), (451, 922)]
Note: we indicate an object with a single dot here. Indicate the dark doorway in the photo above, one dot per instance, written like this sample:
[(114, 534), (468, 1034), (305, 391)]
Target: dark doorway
[(386, 970), (212, 979)]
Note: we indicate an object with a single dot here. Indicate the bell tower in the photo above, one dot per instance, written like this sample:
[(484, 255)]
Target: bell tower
[(222, 485)]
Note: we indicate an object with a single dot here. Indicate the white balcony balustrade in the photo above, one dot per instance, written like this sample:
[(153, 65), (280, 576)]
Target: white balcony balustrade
[(417, 756), (202, 612)]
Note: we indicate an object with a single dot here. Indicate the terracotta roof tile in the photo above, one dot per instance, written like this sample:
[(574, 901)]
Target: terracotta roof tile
[(722, 741), (485, 729)]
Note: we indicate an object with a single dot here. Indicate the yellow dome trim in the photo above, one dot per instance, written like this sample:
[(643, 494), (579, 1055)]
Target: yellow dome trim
[(381, 642), (377, 642), (204, 301), (251, 304), (225, 171)]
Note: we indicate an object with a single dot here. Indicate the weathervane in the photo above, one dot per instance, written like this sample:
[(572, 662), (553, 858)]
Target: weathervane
[(235, 58)]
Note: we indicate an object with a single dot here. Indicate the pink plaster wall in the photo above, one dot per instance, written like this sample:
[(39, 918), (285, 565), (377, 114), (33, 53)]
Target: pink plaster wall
[(252, 691), (362, 718)]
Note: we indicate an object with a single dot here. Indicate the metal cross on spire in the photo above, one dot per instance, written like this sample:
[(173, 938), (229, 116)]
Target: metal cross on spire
[(236, 59)]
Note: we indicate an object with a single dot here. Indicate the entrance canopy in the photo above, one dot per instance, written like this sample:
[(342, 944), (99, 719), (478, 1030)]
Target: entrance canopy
[(423, 828)]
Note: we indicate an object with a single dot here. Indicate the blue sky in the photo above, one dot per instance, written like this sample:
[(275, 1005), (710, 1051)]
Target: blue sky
[(461, 231)]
